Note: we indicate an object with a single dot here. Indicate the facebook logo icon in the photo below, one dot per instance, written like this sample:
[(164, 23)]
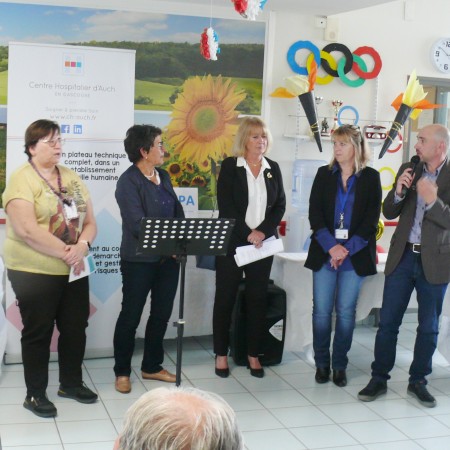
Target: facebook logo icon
[(65, 129), (78, 129)]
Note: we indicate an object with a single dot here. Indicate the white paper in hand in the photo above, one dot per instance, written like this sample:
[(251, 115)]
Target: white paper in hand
[(249, 253)]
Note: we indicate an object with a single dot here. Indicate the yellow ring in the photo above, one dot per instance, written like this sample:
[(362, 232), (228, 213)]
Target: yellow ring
[(331, 61), (388, 188)]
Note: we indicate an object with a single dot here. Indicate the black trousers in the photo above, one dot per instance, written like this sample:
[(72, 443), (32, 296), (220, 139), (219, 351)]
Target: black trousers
[(46, 300), (139, 278), (228, 276)]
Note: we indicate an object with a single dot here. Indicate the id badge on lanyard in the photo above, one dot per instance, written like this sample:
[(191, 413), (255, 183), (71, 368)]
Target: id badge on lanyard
[(70, 210), (340, 232)]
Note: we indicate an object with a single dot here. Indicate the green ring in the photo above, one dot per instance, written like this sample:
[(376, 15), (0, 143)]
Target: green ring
[(352, 83)]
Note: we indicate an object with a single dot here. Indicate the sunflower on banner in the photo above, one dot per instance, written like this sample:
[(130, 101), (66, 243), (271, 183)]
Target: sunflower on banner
[(200, 133)]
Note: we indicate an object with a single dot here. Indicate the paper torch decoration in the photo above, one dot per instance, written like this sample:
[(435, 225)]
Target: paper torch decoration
[(303, 88), (209, 44), (249, 8), (410, 103)]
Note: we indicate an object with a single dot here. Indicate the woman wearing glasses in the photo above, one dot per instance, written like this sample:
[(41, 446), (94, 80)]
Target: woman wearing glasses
[(344, 209), (144, 190), (50, 226)]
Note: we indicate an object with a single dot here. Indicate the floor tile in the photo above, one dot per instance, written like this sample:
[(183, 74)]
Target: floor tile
[(372, 432), (301, 416), (243, 401), (31, 434), (323, 436), (270, 440), (349, 412), (257, 420), (92, 431), (421, 427), (281, 399)]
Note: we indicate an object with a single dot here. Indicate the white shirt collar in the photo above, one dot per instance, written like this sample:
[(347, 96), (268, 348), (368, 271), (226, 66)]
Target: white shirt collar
[(241, 162)]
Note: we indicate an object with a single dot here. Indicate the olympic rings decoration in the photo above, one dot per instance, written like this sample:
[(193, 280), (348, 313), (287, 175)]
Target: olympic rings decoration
[(331, 61), (341, 71), (391, 171), (294, 48), (345, 108), (399, 146), (348, 61), (336, 69)]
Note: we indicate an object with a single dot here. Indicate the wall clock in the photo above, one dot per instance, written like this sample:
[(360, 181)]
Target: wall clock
[(440, 54)]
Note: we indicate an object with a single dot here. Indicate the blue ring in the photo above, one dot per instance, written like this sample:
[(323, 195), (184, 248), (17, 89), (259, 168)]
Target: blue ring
[(294, 48), (351, 108)]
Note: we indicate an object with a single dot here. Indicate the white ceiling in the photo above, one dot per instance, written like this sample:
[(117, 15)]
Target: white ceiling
[(306, 7)]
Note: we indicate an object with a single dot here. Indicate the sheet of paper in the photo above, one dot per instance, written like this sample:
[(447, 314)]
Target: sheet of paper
[(89, 267), (249, 253)]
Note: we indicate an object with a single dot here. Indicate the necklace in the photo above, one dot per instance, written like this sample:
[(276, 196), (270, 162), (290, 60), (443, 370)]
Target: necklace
[(253, 164), (150, 176), (62, 191)]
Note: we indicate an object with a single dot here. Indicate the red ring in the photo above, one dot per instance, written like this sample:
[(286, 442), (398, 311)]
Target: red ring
[(377, 63), (400, 143)]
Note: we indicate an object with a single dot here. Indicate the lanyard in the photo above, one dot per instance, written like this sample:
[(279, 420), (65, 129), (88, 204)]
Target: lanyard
[(342, 198)]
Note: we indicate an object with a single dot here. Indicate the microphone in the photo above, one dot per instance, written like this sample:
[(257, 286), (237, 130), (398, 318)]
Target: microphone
[(414, 161)]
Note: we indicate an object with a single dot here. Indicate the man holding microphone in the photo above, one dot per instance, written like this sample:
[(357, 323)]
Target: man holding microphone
[(419, 258)]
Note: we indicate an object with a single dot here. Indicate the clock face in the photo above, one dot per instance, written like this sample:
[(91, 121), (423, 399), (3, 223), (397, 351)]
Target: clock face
[(440, 55)]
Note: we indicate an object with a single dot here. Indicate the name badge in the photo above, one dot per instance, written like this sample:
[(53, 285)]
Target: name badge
[(341, 233), (71, 211)]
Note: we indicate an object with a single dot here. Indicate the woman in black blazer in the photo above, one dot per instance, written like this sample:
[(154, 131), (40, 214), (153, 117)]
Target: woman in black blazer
[(249, 190), (344, 209)]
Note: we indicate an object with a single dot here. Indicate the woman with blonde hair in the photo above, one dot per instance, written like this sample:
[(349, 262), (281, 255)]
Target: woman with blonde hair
[(344, 209), (249, 190)]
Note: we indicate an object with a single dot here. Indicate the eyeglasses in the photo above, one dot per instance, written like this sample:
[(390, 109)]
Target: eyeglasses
[(53, 142)]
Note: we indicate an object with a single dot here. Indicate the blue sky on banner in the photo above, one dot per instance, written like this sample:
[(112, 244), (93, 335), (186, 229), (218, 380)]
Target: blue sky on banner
[(61, 25)]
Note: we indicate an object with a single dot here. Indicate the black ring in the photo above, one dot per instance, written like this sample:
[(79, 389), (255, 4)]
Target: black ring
[(335, 47)]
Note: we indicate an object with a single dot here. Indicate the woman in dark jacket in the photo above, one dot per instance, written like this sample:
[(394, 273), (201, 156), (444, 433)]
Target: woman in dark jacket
[(250, 190), (144, 190), (344, 210)]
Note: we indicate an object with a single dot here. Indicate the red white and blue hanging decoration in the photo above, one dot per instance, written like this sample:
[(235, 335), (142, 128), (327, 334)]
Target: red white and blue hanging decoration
[(209, 44), (249, 8)]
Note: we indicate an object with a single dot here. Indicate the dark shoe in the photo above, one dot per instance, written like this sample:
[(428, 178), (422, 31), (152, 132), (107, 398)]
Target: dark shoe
[(222, 373), (373, 390), (420, 392), (81, 394), (258, 373), (162, 375), (41, 406), (339, 378), (322, 375)]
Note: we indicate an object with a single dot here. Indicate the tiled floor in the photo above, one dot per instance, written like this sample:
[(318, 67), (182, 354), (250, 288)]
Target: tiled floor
[(286, 410)]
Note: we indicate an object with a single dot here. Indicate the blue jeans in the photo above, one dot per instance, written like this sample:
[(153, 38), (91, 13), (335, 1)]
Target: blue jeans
[(138, 279), (334, 289), (398, 287)]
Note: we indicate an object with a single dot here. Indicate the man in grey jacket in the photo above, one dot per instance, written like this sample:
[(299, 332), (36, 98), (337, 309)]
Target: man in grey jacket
[(419, 258)]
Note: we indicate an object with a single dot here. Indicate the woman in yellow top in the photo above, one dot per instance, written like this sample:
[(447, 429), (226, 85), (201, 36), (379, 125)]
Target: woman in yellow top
[(50, 225)]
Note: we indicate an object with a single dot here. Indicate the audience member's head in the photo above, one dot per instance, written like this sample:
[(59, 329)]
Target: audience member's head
[(180, 419)]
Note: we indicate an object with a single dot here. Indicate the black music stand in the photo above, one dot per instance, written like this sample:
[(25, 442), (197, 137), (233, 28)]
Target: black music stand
[(183, 237)]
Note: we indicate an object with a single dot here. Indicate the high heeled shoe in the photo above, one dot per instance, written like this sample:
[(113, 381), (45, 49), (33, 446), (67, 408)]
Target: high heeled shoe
[(258, 373), (222, 373)]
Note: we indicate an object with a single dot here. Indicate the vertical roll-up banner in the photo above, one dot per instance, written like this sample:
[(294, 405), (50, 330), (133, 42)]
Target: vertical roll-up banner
[(89, 91)]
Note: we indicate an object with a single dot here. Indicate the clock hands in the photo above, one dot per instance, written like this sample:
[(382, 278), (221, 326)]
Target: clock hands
[(444, 51)]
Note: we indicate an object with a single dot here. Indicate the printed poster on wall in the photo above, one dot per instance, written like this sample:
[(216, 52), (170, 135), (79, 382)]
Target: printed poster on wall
[(89, 91)]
